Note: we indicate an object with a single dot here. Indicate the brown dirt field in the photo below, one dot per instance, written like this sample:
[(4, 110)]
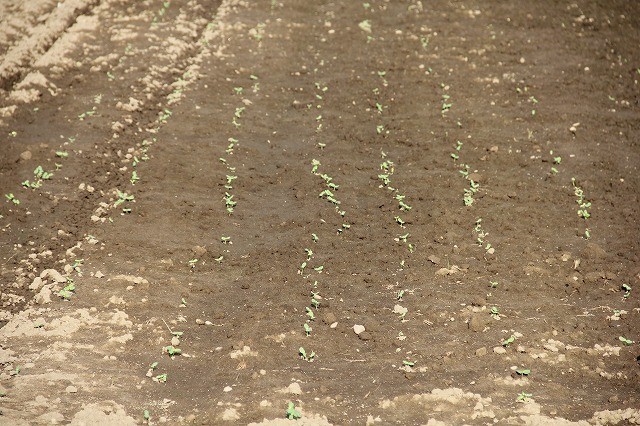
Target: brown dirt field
[(439, 200)]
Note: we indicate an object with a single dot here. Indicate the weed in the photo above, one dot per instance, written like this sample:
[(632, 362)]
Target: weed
[(307, 329), (524, 372), (509, 341)]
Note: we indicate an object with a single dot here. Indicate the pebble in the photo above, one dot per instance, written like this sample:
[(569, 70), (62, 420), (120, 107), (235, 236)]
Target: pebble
[(365, 335), (228, 389), (175, 341), (358, 329), (199, 321), (499, 350), (481, 352), (99, 274), (26, 155), (199, 251), (71, 389)]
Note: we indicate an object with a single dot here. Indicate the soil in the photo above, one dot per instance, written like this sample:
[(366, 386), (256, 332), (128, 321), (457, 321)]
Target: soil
[(435, 203)]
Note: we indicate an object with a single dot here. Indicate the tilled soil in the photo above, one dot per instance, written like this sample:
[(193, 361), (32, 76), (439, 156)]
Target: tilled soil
[(390, 212)]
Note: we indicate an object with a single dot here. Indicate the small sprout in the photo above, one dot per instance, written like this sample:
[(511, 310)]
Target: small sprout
[(62, 154), (626, 341), (172, 351), (495, 313), (319, 268), (307, 357), (509, 341), (524, 372), (192, 263), (524, 397), (315, 302), (292, 413), (161, 378), (153, 366), (225, 240), (408, 363), (219, 259), (146, 415), (493, 284), (307, 329), (379, 129), (314, 237), (310, 314)]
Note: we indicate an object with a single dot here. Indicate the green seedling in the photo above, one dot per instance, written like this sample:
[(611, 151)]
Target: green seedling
[(225, 240), (319, 268), (365, 26), (307, 357), (161, 378), (164, 116), (310, 314), (379, 107), (67, 291), (62, 154), (301, 268), (321, 145), (627, 289), (424, 41), (525, 372), (379, 129), (315, 302), (77, 264), (229, 203), (495, 313), (146, 415), (172, 351), (122, 198), (153, 366), (219, 259), (315, 238), (238, 90), (134, 177), (408, 363), (493, 284), (292, 413), (192, 263), (404, 207), (307, 329), (399, 220), (524, 397), (315, 163), (626, 341), (509, 341), (309, 253), (403, 238)]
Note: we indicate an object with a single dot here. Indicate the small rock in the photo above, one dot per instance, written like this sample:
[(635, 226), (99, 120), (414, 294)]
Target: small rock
[(71, 389), (294, 388), (199, 251), (36, 284), (434, 259), (481, 352), (99, 274), (358, 329), (199, 321), (54, 275), (25, 156), (175, 341), (334, 325), (476, 177), (365, 335), (499, 350), (476, 324), (329, 318), (521, 349), (613, 399), (208, 323), (227, 389), (44, 296), (593, 251)]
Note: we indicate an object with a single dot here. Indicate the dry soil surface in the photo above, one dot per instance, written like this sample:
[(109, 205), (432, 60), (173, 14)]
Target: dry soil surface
[(384, 212)]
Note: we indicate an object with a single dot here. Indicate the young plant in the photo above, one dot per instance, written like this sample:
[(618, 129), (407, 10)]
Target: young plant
[(292, 413), (307, 357)]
